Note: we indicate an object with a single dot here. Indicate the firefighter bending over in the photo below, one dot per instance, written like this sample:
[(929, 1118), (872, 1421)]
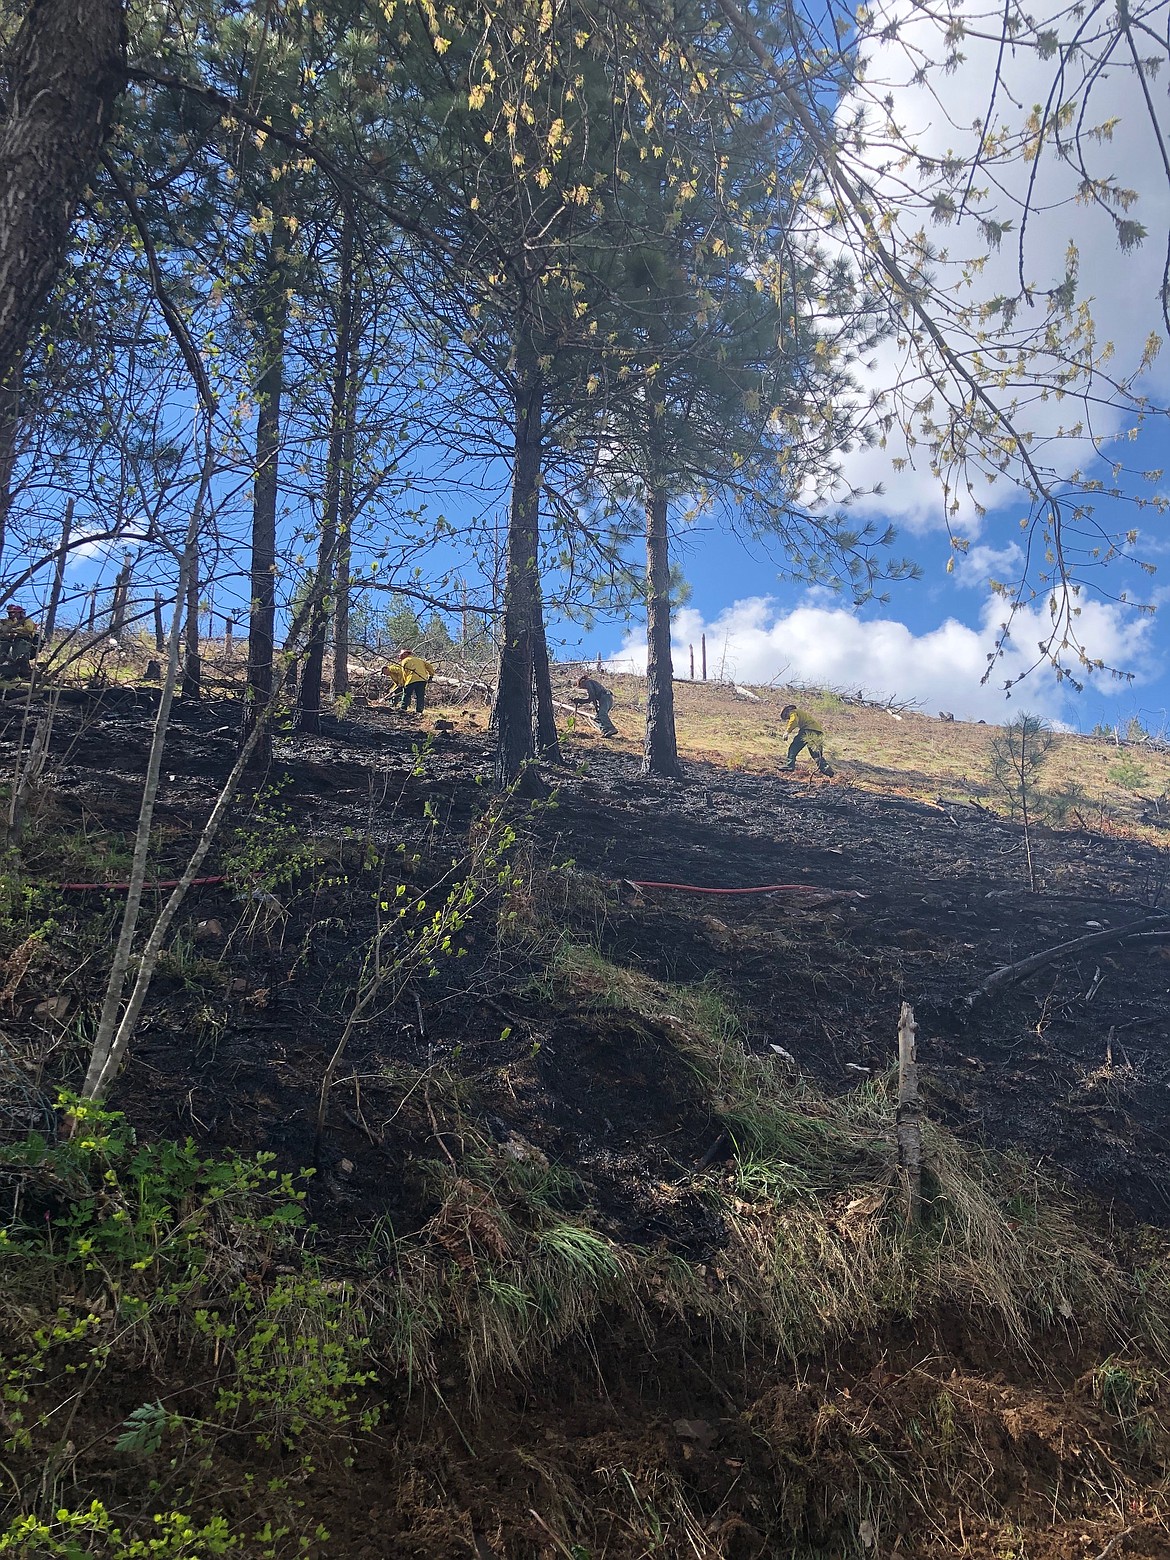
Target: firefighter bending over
[(20, 639), (804, 731), (416, 673), (602, 701)]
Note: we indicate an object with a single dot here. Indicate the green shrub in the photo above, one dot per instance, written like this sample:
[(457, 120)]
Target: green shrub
[(126, 1256), (73, 1535), (1128, 773)]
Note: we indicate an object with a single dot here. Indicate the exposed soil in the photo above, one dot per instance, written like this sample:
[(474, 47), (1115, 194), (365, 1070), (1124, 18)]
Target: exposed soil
[(891, 899)]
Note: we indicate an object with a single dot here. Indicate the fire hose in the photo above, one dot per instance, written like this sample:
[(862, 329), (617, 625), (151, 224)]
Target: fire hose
[(122, 888), (694, 888)]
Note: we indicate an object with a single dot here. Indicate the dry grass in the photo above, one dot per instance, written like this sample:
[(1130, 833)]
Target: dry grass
[(818, 1245), (816, 1254), (1093, 783)]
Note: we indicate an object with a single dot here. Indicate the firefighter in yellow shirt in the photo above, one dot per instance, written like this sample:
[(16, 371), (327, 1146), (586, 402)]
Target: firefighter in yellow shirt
[(804, 731), (416, 673), (20, 639)]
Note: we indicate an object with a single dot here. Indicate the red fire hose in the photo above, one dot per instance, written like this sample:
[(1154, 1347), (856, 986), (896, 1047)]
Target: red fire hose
[(89, 888), (692, 888)]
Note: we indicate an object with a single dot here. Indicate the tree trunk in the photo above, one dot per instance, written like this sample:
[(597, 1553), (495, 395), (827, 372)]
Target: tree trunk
[(65, 72), (270, 322), (121, 601), (661, 751), (548, 740), (512, 714), (192, 662), (346, 515), (309, 716), (59, 566), (10, 421), (341, 613)]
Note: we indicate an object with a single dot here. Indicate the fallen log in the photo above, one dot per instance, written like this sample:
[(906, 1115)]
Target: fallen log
[(1009, 974), (466, 688)]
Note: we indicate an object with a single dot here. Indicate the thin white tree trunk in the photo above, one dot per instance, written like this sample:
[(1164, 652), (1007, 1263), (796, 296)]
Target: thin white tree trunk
[(113, 1039), (104, 1065), (108, 1025)]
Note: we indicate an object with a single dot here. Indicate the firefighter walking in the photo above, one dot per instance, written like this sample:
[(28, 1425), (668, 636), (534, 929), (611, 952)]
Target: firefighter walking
[(804, 731)]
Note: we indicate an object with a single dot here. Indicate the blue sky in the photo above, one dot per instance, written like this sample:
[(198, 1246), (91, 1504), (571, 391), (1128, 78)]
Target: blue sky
[(930, 642)]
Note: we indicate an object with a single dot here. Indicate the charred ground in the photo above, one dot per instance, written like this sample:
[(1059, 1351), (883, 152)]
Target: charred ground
[(554, 1041)]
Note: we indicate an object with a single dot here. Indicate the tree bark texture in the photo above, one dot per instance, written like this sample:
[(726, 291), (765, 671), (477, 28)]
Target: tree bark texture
[(660, 756), (309, 708), (548, 740), (59, 565), (271, 320), (192, 662), (65, 72), (121, 601), (11, 416), (341, 606), (346, 510), (512, 715)]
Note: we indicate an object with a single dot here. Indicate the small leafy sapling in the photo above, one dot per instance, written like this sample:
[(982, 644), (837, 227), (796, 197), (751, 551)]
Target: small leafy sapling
[(1018, 756)]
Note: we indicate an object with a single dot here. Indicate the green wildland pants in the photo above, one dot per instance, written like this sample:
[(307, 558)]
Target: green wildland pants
[(814, 742)]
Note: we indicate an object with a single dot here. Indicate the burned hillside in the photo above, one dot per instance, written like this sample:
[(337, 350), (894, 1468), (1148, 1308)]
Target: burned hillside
[(594, 1111)]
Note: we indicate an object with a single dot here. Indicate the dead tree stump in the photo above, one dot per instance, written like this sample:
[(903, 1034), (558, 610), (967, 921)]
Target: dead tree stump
[(909, 1117)]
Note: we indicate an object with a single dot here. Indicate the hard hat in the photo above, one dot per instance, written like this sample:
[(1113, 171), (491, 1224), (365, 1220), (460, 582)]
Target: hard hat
[(15, 611)]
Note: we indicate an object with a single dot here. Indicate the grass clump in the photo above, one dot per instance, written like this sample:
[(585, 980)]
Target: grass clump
[(812, 1201), (501, 1268), (1138, 1396)]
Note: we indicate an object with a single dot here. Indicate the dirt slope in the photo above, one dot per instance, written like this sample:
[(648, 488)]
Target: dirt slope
[(556, 1043)]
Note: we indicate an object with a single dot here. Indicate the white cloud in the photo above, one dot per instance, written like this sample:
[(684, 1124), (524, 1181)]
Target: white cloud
[(753, 641), (85, 552), (981, 564), (942, 117)]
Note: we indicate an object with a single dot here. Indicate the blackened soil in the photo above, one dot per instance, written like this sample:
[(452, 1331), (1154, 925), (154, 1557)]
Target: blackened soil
[(885, 900)]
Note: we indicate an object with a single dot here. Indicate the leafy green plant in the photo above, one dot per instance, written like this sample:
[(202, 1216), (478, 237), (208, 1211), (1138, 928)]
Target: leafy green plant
[(73, 1535), (268, 852), (143, 1430), (415, 930), (126, 1252)]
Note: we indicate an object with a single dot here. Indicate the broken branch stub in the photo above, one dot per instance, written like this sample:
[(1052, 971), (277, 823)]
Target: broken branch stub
[(909, 1117)]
